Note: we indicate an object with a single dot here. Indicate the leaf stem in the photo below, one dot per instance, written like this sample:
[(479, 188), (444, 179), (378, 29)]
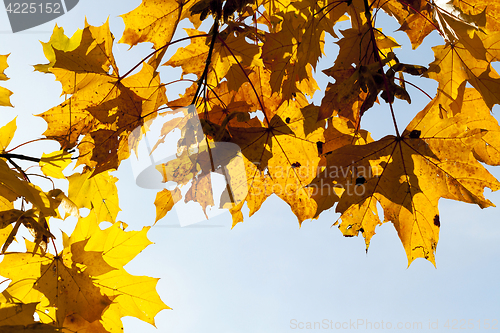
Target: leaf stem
[(20, 157), (426, 18), (376, 56), (156, 51), (248, 78), (9, 158), (208, 61), (414, 86), (22, 144)]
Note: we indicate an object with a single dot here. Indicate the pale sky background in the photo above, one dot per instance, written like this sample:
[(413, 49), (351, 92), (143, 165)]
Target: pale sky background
[(266, 272)]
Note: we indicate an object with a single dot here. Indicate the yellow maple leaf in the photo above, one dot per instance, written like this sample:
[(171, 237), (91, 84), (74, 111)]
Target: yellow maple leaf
[(58, 41), (415, 17), (53, 164), (98, 193), (408, 176), (155, 21), (201, 192), (287, 149), (348, 94), (7, 134), (56, 282), (132, 295), (104, 107), (292, 49), (454, 65), (91, 60), (85, 286), (13, 185), (251, 187), (4, 93), (490, 8), (16, 313), (257, 92), (180, 170), (116, 246), (472, 106), (339, 133), (165, 201)]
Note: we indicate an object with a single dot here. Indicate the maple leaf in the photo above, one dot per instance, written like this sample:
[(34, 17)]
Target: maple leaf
[(289, 142), (251, 187), (222, 103), (339, 133), (7, 134), (193, 166), (415, 17), (202, 149), (218, 108), (286, 149), (344, 97), (105, 108), (78, 67), (16, 313), (408, 176), (4, 93), (165, 201), (197, 51), (293, 47), (288, 57), (471, 105), (55, 283), (348, 95), (454, 65), (58, 41), (490, 9), (132, 295), (201, 192), (257, 92), (155, 21), (13, 185), (54, 163), (98, 193), (180, 170), (84, 287)]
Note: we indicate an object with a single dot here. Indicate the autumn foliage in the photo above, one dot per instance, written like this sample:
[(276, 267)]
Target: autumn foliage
[(251, 75)]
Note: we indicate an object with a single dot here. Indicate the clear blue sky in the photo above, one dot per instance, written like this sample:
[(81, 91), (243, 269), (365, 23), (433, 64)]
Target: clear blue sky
[(266, 274)]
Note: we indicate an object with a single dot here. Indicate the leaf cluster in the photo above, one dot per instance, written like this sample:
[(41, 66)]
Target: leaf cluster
[(246, 115)]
